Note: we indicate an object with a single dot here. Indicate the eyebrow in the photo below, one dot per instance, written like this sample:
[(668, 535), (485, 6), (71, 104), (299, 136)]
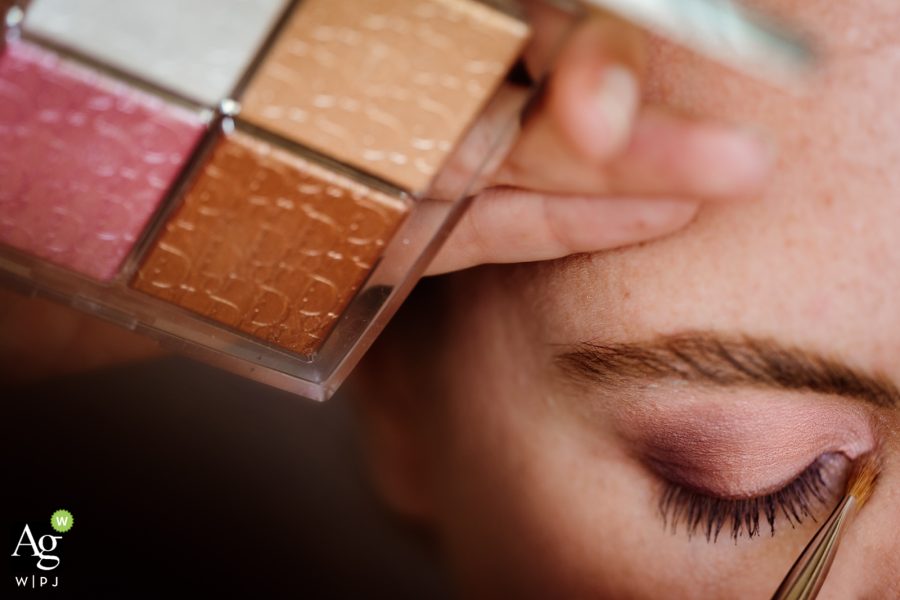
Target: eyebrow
[(713, 359)]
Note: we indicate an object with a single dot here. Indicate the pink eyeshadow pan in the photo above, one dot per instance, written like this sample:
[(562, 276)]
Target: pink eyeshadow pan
[(85, 161)]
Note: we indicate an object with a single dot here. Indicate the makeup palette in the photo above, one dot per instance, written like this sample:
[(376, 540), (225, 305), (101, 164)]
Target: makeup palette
[(256, 182)]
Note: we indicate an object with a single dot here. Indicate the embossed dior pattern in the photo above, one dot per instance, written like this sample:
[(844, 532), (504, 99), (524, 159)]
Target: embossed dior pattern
[(84, 161), (387, 86), (269, 244)]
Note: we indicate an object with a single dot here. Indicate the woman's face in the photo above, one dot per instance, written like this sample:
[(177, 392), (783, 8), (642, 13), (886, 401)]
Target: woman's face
[(671, 420)]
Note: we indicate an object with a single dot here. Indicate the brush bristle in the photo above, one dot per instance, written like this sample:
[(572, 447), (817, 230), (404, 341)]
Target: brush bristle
[(863, 479)]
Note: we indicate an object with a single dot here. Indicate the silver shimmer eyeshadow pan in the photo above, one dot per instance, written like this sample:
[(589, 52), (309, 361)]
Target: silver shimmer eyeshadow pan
[(195, 48)]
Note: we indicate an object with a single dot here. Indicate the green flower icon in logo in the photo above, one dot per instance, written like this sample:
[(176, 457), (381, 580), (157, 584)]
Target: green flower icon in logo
[(62, 521)]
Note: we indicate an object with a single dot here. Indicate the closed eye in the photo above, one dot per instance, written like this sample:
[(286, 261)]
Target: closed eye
[(700, 513)]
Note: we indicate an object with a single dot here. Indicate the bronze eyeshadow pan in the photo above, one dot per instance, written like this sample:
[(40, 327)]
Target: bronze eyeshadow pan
[(270, 243)]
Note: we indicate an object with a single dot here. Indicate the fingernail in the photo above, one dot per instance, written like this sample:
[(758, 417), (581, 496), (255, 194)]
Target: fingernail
[(617, 100)]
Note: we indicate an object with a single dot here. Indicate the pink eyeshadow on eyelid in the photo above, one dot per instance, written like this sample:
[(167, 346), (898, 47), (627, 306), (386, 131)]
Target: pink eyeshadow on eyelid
[(745, 442), (85, 161)]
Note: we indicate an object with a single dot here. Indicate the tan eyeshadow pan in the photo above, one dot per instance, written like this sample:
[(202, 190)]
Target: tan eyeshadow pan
[(269, 243), (390, 89)]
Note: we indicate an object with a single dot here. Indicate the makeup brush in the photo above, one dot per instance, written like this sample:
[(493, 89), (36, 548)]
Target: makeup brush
[(808, 574)]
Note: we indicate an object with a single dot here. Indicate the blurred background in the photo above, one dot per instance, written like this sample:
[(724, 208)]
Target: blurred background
[(184, 479)]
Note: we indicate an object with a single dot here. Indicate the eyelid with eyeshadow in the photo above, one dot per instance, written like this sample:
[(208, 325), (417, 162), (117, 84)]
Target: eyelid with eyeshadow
[(700, 512)]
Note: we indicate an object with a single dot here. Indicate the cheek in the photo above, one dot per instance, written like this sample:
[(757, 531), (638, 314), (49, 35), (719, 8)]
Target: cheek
[(520, 515)]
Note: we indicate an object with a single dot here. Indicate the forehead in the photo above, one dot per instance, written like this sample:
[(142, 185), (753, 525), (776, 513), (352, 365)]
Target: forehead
[(816, 260)]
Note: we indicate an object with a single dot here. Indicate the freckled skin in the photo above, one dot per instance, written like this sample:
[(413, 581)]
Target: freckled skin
[(530, 499)]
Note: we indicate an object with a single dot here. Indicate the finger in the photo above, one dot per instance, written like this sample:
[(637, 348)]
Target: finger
[(505, 225), (671, 154), (667, 155), (39, 338), (623, 42), (549, 25), (587, 112)]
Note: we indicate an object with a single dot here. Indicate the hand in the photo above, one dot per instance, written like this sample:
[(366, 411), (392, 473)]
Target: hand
[(596, 168)]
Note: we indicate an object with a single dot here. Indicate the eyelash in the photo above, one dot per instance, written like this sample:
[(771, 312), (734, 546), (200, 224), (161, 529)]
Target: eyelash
[(700, 512)]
